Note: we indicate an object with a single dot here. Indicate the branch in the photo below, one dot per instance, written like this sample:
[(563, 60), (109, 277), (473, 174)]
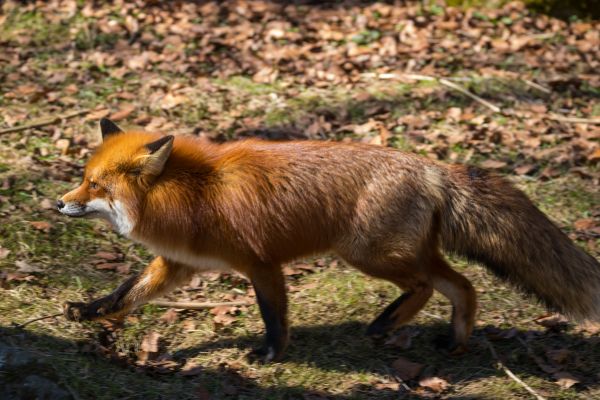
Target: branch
[(37, 319), (46, 122), (510, 373), (573, 120), (442, 81), (464, 91), (193, 305)]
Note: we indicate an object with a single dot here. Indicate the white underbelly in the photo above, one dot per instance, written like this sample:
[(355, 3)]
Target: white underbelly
[(196, 261)]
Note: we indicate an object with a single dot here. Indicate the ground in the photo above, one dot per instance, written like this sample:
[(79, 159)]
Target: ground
[(368, 72)]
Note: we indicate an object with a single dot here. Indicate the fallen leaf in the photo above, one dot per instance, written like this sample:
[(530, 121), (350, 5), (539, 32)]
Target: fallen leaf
[(98, 114), (150, 342), (124, 112), (172, 101), (552, 321), (565, 380), (27, 268), (63, 145), (191, 368), (123, 268), (585, 224), (434, 383), (43, 226), (3, 252), (105, 255), (406, 369), (48, 204), (19, 276), (169, 316), (493, 164)]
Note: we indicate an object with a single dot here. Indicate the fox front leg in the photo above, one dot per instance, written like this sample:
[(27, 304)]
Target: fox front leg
[(160, 276), (269, 286)]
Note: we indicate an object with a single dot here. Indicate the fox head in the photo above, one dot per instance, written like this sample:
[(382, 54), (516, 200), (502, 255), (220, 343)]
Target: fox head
[(117, 176)]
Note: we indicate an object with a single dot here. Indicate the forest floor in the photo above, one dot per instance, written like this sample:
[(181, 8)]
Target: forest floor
[(508, 90)]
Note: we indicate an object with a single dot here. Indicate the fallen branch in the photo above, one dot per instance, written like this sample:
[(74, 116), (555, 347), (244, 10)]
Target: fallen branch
[(442, 81), (37, 319), (193, 305), (510, 373), (46, 121), (464, 91), (537, 86), (572, 120)]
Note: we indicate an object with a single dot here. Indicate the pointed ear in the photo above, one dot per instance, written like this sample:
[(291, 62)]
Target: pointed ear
[(159, 152), (107, 127)]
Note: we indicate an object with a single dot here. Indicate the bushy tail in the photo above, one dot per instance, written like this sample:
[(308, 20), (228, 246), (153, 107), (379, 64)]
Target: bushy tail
[(488, 220)]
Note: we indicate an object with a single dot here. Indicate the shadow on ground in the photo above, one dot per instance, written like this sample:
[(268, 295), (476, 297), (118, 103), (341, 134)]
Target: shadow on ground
[(41, 366)]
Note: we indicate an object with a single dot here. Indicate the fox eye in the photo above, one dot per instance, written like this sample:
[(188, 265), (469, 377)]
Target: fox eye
[(93, 185)]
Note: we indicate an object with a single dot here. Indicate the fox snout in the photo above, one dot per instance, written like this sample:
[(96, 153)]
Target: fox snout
[(71, 208)]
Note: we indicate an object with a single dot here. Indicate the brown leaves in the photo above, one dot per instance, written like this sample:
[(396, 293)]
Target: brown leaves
[(43, 226), (435, 384), (224, 315), (148, 347), (406, 369)]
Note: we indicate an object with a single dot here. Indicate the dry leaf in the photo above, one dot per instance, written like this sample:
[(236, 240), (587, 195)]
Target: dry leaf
[(584, 224), (434, 383), (27, 268), (406, 369), (191, 368), (493, 164), (565, 380), (169, 316), (552, 321), (105, 255), (124, 112), (150, 342), (3, 252), (43, 226)]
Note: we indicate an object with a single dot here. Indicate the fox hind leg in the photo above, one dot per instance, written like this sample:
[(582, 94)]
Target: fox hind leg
[(404, 273), (401, 310), (461, 294)]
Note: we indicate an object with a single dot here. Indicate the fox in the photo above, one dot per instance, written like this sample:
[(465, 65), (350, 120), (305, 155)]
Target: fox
[(252, 205)]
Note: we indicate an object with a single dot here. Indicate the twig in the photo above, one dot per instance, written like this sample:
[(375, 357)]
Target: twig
[(445, 82), (573, 120), (464, 91), (45, 122), (37, 319), (510, 373), (537, 86), (193, 305)]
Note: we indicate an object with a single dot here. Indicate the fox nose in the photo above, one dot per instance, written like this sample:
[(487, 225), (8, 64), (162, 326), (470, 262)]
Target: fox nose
[(60, 204)]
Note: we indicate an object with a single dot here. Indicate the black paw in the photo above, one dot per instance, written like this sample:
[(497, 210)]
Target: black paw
[(75, 311), (264, 355), (449, 345)]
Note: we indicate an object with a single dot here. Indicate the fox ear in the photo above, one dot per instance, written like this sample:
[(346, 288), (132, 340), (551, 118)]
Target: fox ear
[(159, 152), (107, 127)]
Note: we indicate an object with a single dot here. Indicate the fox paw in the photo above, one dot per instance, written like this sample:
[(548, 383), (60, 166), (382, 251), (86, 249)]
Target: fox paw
[(447, 343), (75, 311), (264, 355)]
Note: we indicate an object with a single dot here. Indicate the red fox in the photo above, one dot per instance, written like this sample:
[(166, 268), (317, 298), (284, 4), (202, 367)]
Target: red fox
[(252, 205)]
